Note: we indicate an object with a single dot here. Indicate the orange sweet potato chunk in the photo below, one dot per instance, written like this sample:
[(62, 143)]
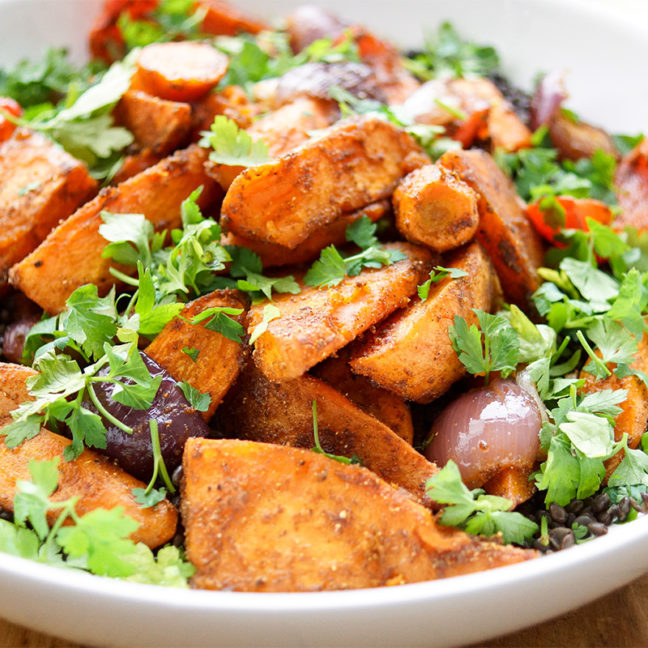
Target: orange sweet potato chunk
[(387, 407), (259, 410), (71, 255), (40, 185), (222, 18), (317, 322), (504, 230), (157, 124), (273, 255), (219, 360), (94, 479), (266, 518), (411, 354), (434, 207), (354, 163)]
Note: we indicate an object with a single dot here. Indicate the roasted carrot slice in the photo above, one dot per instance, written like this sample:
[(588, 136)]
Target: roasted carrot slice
[(356, 162), (179, 71), (222, 18), (273, 255), (72, 252), (387, 407), (157, 124), (504, 230), (435, 208), (94, 479), (204, 358), (317, 322), (411, 354), (320, 526), (259, 410), (41, 185)]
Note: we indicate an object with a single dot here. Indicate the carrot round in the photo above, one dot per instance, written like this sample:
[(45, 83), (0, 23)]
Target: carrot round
[(183, 71)]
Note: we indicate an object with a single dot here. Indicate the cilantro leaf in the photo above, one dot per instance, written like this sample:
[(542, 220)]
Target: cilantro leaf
[(329, 270), (475, 512), (362, 232), (436, 274), (199, 401), (232, 146), (149, 499), (270, 313), (191, 352), (494, 348)]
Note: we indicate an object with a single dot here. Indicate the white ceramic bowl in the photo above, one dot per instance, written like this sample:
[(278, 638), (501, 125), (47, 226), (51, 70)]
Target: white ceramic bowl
[(606, 56)]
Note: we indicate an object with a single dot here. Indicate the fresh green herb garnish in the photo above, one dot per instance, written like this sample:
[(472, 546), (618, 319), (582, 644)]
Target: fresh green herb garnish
[(232, 146), (270, 313), (448, 55), (437, 274), (474, 511), (331, 268), (97, 541)]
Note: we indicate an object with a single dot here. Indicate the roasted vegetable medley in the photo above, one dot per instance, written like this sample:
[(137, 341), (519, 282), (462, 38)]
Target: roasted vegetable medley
[(285, 309)]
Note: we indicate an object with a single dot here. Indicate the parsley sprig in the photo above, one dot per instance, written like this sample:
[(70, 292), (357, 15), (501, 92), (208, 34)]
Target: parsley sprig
[(474, 511), (331, 268), (97, 541)]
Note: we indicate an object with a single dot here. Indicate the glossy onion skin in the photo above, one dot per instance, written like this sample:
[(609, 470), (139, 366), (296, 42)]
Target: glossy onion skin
[(485, 430), (177, 421)]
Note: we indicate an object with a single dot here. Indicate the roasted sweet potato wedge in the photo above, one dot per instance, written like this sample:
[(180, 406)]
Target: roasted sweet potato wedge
[(282, 130), (72, 252), (157, 124), (434, 207), (504, 230), (317, 322), (411, 354), (41, 184), (356, 162), (259, 410), (320, 526), (388, 408), (217, 360), (95, 480), (511, 483), (632, 188), (273, 255)]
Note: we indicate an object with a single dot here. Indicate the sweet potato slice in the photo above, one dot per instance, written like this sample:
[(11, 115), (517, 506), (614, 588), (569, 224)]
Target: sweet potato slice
[(218, 359), (259, 410), (41, 184), (273, 255), (388, 408), (320, 526), (134, 164), (356, 162), (504, 230), (512, 483), (72, 252), (317, 322), (221, 18), (632, 188), (179, 71), (96, 480), (282, 130), (411, 354), (157, 124), (435, 208)]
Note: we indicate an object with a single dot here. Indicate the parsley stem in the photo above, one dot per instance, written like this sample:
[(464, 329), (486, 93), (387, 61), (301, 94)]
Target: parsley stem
[(588, 349), (131, 281), (318, 448), (106, 414), (159, 467)]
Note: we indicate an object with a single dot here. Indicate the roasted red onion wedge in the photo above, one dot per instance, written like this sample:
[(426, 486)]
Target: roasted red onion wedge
[(485, 430)]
